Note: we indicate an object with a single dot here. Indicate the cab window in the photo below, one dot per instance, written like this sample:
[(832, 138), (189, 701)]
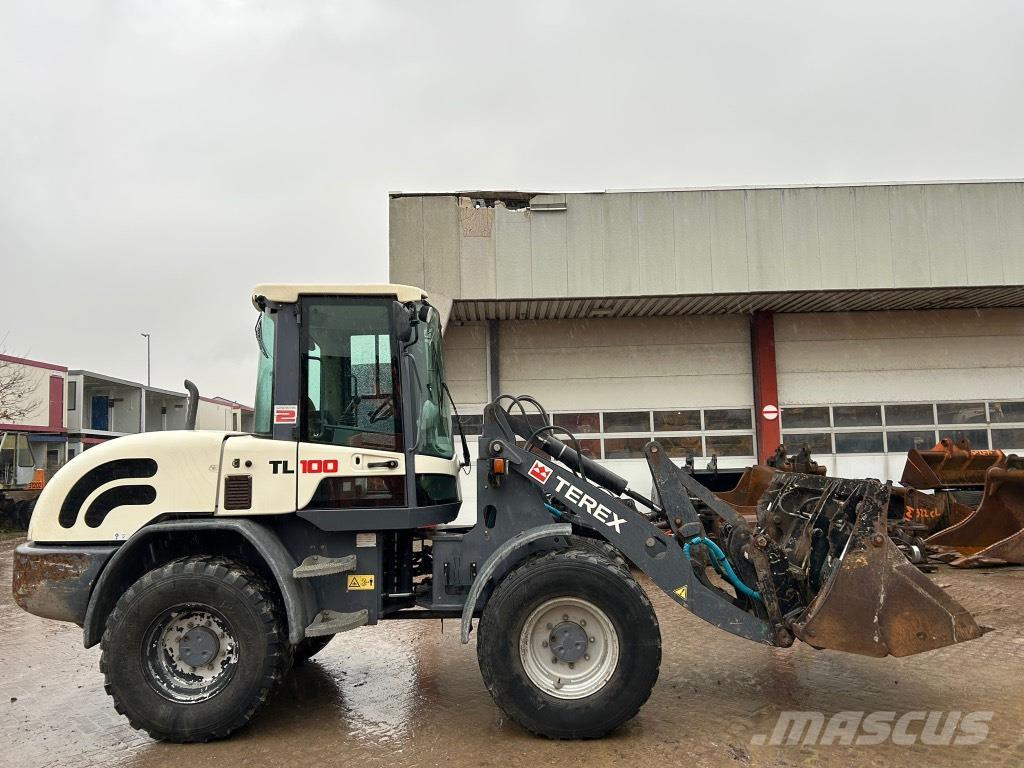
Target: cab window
[(350, 372)]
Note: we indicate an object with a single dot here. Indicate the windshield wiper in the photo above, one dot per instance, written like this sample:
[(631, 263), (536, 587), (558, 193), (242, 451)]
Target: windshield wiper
[(458, 420), (259, 336)]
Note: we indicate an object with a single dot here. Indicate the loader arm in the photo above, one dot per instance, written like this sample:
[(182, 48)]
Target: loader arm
[(650, 549), (817, 565)]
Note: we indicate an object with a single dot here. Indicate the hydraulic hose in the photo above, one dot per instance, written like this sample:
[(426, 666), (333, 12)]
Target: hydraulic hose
[(722, 565)]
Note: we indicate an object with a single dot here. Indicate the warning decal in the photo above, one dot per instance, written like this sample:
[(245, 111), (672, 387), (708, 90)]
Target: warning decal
[(681, 592), (360, 581)]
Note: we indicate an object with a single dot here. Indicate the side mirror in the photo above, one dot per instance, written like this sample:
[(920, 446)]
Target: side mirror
[(404, 317)]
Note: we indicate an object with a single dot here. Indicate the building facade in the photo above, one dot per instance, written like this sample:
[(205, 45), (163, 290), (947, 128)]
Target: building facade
[(68, 411), (861, 320), (33, 433)]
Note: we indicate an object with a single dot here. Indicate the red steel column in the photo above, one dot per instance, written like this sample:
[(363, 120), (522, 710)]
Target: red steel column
[(766, 385)]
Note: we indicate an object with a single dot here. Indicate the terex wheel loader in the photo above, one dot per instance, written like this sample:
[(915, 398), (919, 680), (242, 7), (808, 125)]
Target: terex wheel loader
[(206, 563)]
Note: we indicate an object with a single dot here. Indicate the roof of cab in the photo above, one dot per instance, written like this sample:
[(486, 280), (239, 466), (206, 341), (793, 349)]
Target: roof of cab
[(288, 293)]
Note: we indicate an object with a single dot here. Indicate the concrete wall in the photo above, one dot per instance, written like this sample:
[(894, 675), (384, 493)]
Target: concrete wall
[(465, 350), (712, 241)]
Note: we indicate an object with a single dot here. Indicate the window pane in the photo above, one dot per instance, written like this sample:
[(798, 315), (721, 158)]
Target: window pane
[(591, 448), (819, 442), (627, 421), (350, 375), (681, 447), (909, 414), (961, 413), (919, 439), (578, 422), (264, 375), (624, 447), (978, 438), (1004, 412), (1008, 439), (727, 418), (731, 445), (797, 418), (857, 415), (858, 442), (679, 421), (73, 395)]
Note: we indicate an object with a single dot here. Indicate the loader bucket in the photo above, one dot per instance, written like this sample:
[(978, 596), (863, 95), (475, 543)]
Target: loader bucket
[(948, 464), (994, 533), (863, 595)]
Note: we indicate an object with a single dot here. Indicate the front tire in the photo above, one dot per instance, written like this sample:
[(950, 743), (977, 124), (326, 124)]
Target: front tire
[(194, 648), (569, 645), (309, 647)]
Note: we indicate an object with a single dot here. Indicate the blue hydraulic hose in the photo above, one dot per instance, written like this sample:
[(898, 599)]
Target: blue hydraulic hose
[(554, 511), (722, 565)]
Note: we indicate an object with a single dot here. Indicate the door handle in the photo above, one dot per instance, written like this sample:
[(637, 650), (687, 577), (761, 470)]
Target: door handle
[(389, 464)]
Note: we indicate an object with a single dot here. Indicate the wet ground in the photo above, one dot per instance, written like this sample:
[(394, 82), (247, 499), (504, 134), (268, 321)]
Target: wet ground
[(408, 694)]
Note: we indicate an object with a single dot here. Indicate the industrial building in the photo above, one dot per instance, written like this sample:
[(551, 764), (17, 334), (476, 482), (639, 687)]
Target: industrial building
[(862, 320)]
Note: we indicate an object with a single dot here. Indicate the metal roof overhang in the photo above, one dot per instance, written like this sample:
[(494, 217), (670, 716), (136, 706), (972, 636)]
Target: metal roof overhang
[(882, 299)]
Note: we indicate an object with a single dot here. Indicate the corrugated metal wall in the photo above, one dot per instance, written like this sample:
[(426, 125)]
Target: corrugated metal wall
[(712, 241), (665, 362), (891, 357)]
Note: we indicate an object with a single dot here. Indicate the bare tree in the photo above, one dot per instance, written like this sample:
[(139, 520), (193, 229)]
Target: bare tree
[(17, 391)]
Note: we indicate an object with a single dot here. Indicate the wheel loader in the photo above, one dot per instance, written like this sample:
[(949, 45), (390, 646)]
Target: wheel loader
[(205, 564)]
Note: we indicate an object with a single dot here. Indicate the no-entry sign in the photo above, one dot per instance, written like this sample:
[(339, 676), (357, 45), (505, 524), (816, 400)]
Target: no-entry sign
[(770, 412)]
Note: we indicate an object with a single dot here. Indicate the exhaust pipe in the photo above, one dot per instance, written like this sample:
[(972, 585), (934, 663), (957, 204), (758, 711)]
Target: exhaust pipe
[(193, 405)]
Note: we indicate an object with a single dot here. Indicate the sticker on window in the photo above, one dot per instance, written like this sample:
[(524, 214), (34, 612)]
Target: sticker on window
[(286, 414)]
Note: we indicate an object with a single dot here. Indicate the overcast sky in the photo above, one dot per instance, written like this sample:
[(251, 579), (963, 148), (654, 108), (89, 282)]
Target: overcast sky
[(158, 159)]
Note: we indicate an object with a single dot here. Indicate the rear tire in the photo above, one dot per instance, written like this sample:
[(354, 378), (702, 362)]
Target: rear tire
[(194, 648), (582, 609)]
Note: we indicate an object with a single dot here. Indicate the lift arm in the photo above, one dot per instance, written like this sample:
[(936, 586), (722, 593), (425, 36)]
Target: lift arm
[(651, 549)]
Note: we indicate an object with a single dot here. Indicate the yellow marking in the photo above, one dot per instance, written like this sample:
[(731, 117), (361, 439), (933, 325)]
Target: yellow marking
[(681, 593), (360, 581)]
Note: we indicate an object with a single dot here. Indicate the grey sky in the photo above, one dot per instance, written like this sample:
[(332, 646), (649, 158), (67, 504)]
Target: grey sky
[(158, 159)]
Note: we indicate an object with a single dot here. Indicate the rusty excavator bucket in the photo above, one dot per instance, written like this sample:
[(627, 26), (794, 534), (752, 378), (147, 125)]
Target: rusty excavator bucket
[(949, 464), (828, 571), (994, 533)]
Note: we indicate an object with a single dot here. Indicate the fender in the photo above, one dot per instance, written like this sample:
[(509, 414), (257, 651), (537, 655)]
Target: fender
[(297, 596), (496, 558)]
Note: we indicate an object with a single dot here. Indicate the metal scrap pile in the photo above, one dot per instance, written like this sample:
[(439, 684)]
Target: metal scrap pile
[(956, 505)]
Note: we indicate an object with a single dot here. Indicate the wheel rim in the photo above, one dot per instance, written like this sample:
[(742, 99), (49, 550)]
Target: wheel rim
[(190, 653), (569, 648)]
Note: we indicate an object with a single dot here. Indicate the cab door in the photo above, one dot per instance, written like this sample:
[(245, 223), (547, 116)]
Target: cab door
[(351, 452)]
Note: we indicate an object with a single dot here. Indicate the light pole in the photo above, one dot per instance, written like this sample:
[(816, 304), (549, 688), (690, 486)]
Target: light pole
[(147, 358)]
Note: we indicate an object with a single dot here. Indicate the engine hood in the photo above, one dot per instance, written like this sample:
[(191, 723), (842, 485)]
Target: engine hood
[(114, 488)]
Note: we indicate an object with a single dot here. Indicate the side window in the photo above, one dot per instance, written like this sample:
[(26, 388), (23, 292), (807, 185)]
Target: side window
[(351, 377)]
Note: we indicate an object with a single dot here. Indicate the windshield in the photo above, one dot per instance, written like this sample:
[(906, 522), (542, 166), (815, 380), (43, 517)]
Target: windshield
[(264, 374), (434, 421)]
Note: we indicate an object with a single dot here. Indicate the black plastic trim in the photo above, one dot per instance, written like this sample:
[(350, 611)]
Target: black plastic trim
[(380, 518)]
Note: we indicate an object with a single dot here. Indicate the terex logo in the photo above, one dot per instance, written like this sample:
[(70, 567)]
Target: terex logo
[(589, 504), (540, 472)]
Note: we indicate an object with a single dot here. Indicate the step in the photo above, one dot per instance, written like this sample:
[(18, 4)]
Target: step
[(320, 565), (332, 622)]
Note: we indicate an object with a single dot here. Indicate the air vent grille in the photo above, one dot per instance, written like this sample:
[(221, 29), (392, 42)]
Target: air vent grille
[(238, 492)]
